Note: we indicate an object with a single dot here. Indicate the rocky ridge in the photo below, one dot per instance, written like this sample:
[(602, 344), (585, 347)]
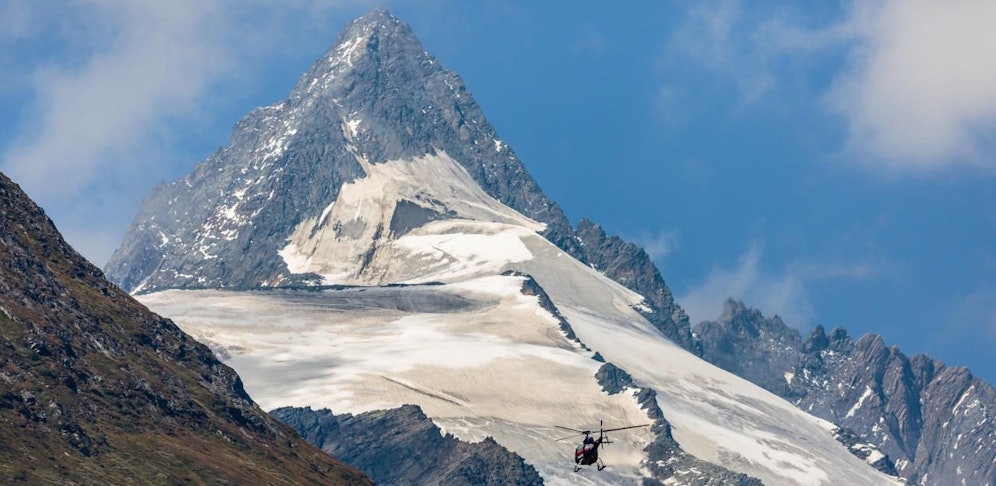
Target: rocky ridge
[(629, 265), (98, 390), (402, 446), (933, 423)]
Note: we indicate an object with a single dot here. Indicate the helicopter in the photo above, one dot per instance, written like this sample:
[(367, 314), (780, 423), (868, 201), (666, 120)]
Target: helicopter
[(586, 454)]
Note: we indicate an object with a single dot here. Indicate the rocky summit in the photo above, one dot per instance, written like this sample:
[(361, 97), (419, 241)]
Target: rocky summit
[(96, 389)]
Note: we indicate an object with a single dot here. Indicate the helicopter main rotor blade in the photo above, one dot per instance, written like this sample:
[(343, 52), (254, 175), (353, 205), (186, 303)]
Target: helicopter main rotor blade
[(575, 434), (589, 432), (624, 428), (568, 437)]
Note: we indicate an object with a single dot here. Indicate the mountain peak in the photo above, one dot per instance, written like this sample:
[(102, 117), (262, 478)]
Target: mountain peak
[(360, 51), (379, 13), (375, 97), (731, 308), (378, 21)]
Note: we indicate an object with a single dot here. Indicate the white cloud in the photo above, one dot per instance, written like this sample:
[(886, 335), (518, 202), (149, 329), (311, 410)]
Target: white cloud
[(89, 116), (658, 246), (920, 88), (772, 294), (783, 293), (127, 77), (913, 81)]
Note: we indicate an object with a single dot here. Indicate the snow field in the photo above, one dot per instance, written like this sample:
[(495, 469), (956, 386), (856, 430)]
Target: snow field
[(494, 365)]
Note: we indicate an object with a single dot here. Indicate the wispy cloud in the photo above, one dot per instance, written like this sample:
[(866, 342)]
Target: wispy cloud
[(92, 133), (780, 292), (158, 63), (773, 294), (657, 245), (919, 90), (105, 104), (913, 82), (717, 35)]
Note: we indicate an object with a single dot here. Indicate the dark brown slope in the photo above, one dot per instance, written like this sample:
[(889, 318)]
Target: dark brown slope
[(96, 389)]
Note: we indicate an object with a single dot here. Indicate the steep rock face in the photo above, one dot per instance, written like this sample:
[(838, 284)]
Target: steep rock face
[(629, 265), (97, 389), (934, 422), (402, 446), (376, 95)]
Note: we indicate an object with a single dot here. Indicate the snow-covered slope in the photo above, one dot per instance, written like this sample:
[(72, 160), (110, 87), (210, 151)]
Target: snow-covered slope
[(489, 362), (480, 357)]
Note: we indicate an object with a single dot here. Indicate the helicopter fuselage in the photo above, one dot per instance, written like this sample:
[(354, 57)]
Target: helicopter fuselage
[(587, 453)]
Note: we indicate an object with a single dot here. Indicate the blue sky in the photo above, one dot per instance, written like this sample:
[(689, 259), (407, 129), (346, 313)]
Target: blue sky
[(832, 164)]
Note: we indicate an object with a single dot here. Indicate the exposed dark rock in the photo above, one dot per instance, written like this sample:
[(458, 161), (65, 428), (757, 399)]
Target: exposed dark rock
[(531, 287), (746, 343), (613, 379), (408, 216), (402, 446), (933, 423), (865, 451)]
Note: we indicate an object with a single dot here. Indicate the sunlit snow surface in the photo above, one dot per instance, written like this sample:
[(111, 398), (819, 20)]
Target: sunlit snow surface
[(487, 361), (478, 356), (352, 241)]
